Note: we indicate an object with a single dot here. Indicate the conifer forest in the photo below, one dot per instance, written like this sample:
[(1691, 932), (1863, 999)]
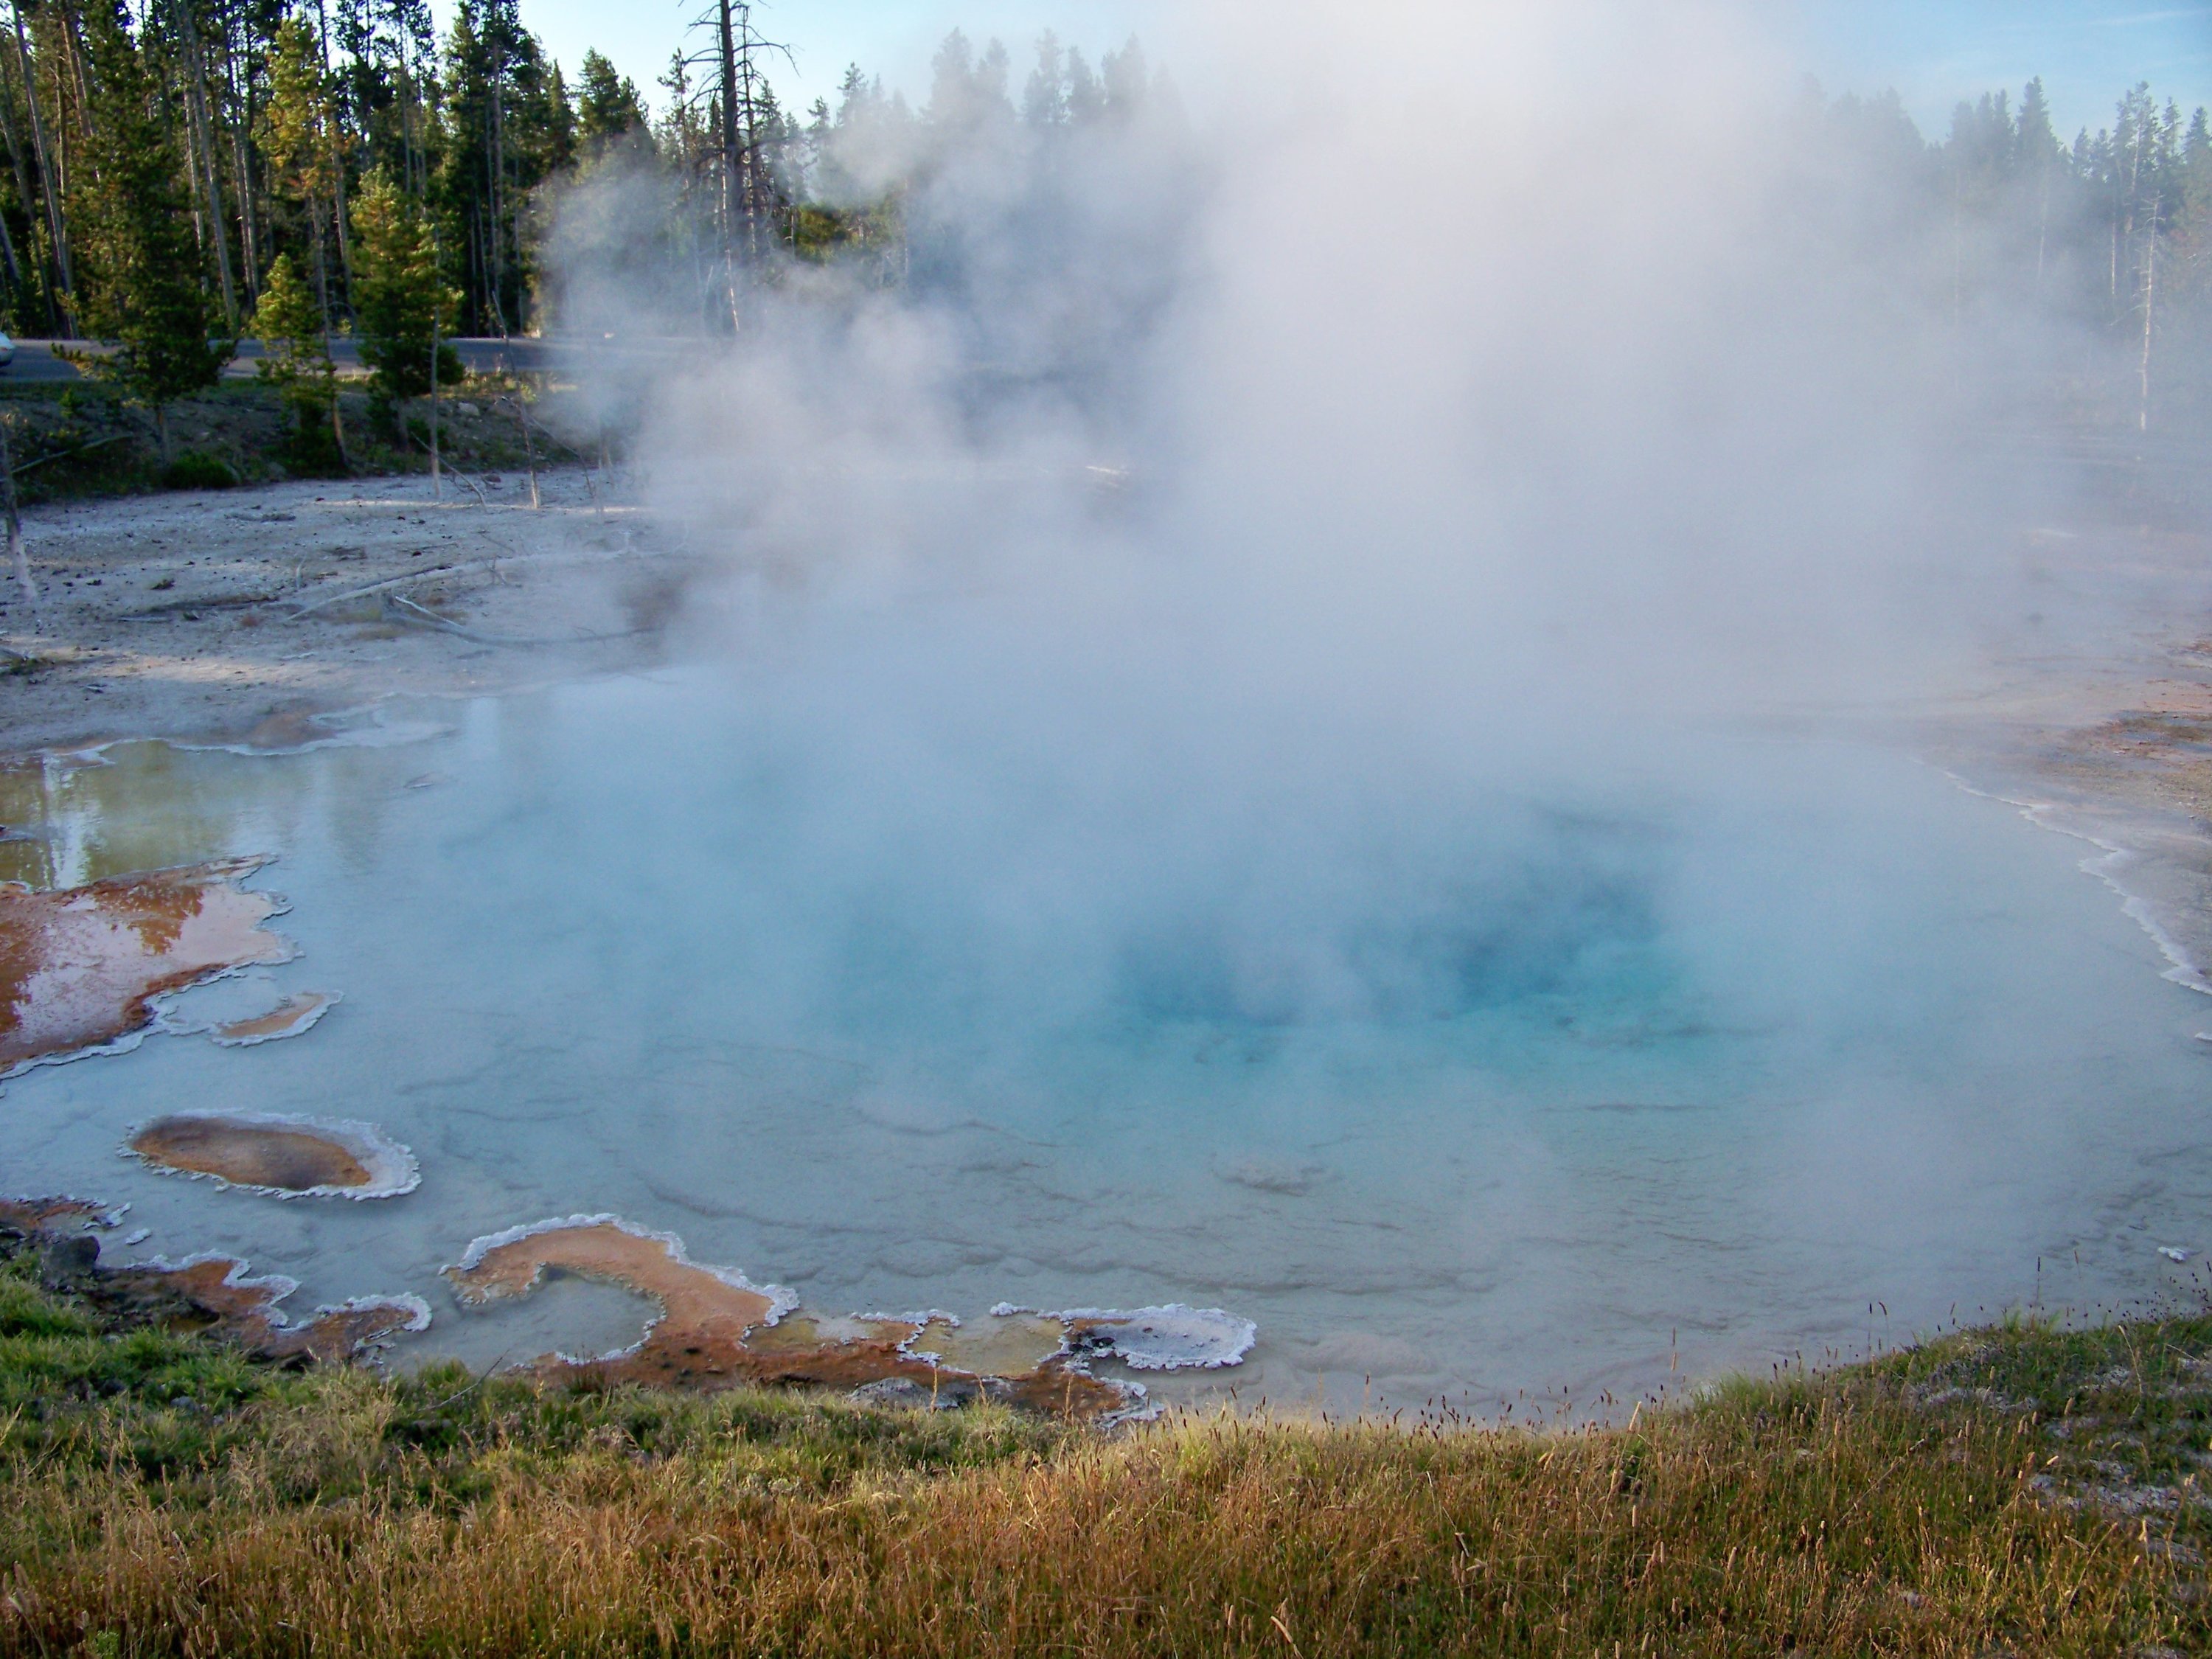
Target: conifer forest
[(187, 172)]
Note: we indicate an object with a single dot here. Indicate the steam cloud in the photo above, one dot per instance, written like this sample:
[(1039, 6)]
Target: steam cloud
[(1269, 536)]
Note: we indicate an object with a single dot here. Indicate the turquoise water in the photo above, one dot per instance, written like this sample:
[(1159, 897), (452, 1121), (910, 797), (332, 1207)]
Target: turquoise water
[(1462, 1072)]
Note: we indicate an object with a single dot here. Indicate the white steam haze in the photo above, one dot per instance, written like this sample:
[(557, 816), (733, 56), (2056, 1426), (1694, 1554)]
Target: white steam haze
[(1547, 358), (1477, 421), (1306, 561)]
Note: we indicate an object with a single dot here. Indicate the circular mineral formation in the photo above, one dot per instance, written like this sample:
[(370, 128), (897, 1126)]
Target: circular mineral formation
[(288, 1156)]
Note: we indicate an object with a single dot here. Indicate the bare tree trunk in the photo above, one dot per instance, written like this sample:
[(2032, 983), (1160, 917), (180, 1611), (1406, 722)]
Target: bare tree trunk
[(338, 222), (337, 416), (73, 39), (23, 194), (49, 184), (18, 555), (322, 270), (200, 122), (407, 154), (198, 183), (248, 238), (2043, 229), (161, 431), (8, 249), (437, 476), (731, 184), (2149, 306), (495, 232), (529, 453)]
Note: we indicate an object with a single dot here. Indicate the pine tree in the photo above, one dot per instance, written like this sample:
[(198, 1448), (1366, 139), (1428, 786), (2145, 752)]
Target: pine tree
[(608, 108), (1044, 99), (289, 325), (506, 126), (401, 301), (139, 268), (298, 137)]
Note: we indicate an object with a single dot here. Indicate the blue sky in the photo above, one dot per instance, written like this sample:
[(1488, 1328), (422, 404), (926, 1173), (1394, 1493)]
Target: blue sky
[(1933, 51)]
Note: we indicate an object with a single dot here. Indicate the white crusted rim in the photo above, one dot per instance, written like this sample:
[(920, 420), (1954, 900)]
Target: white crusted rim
[(1174, 1337), (376, 733), (94, 1212), (1141, 1408), (2109, 860), (306, 1021), (279, 1286), (282, 1286), (416, 1309), (921, 1321), (780, 1299), (392, 1170)]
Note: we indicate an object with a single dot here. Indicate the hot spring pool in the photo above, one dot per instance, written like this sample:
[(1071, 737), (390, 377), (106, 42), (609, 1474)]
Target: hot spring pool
[(1737, 1049)]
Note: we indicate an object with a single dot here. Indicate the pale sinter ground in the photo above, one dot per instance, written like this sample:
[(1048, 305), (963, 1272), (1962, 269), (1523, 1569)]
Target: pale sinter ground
[(179, 615)]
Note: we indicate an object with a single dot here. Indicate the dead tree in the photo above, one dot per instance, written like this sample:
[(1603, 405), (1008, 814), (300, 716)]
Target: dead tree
[(48, 177), (746, 206), (17, 553), (2149, 310)]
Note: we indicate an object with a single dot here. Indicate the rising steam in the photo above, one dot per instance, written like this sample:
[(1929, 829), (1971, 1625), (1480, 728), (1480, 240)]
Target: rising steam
[(1242, 565)]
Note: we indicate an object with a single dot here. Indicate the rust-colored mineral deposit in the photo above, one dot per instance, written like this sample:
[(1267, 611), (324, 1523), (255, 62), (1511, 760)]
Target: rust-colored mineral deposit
[(717, 1329), (288, 1019), (217, 1293), (212, 1293), (79, 968), (49, 1215)]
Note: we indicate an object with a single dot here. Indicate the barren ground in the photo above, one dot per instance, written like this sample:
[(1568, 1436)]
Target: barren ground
[(232, 614)]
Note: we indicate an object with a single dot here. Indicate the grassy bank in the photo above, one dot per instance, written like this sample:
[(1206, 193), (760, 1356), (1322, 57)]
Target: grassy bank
[(2007, 1491)]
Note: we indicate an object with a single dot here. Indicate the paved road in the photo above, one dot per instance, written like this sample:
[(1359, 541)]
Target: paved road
[(35, 358)]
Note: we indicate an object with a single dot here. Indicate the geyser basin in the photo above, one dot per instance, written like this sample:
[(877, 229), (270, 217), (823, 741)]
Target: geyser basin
[(1464, 1087)]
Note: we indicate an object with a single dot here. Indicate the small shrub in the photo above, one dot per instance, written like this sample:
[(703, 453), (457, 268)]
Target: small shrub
[(195, 470)]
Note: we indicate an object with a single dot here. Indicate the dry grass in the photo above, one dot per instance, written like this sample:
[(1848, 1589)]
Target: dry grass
[(2016, 1491)]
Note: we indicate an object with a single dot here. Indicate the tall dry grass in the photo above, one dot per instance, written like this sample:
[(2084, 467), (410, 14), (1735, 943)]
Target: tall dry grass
[(2016, 1491), (1833, 1524)]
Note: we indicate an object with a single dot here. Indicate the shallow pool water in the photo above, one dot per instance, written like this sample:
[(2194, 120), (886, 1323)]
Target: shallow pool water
[(1746, 1047)]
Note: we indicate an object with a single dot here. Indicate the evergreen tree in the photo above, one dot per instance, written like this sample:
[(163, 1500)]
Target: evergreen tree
[(608, 108), (507, 126), (140, 271), (1124, 81), (1044, 99), (1086, 99), (2037, 144), (297, 132), (402, 303), (297, 361)]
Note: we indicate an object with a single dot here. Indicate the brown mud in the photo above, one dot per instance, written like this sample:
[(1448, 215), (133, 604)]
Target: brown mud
[(288, 1158), (282, 1156)]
